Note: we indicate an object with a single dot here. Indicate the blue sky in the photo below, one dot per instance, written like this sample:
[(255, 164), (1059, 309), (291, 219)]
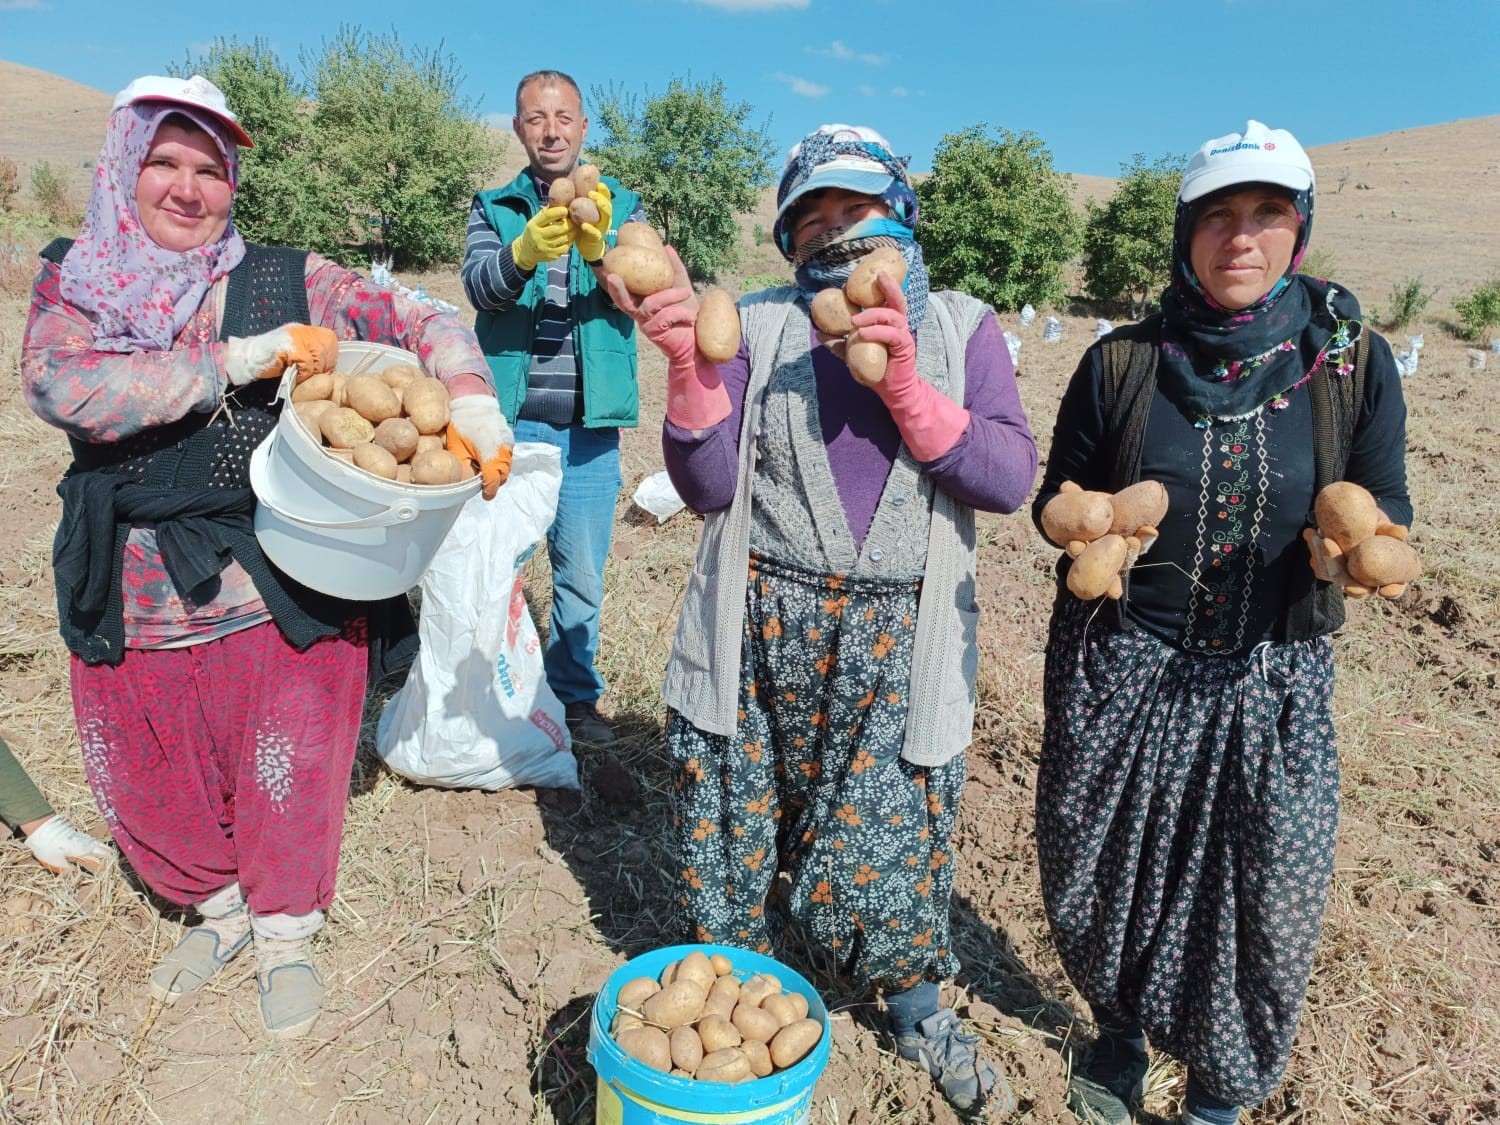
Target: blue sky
[(1097, 80)]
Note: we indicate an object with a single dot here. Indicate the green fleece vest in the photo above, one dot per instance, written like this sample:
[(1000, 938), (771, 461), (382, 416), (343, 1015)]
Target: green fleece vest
[(603, 336)]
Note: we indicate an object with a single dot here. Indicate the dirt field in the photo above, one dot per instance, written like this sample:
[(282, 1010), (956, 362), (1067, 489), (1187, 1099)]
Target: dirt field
[(473, 929)]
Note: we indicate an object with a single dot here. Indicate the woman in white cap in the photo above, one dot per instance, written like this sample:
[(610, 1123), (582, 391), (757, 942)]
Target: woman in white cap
[(1187, 794), (218, 702), (821, 687)]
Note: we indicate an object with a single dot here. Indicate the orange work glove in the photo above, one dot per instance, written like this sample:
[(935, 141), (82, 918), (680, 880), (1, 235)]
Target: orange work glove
[(479, 433), (312, 350)]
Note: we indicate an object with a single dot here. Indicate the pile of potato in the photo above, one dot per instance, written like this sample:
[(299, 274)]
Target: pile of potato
[(1375, 553), (392, 423), (572, 192), (1103, 533), (833, 311), (701, 1021), (642, 263)]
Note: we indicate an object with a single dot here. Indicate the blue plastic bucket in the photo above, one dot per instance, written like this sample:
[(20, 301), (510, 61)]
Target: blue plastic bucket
[(629, 1092)]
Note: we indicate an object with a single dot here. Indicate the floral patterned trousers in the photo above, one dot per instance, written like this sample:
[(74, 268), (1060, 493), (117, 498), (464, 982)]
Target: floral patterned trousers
[(808, 816)]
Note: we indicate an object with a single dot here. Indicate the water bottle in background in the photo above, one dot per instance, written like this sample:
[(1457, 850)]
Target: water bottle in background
[(1013, 345), (1028, 314), (1102, 328), (1052, 330)]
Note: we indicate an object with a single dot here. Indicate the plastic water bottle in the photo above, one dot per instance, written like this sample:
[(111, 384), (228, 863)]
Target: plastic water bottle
[(1013, 345), (1102, 328), (1028, 314), (1052, 330)]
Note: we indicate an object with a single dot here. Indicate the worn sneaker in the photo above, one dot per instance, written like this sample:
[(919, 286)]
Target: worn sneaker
[(1107, 1083), (57, 845), (291, 999), (191, 962), (587, 725), (972, 1085)]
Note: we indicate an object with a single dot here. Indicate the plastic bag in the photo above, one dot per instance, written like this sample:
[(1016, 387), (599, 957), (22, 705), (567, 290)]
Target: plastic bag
[(476, 711), (657, 495), (1013, 345), (1052, 330), (1028, 314)]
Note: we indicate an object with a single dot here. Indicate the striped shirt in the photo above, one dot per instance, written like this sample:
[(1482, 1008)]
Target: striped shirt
[(493, 281)]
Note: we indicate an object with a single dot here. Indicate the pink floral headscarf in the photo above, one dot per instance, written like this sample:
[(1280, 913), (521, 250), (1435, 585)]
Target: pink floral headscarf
[(138, 294)]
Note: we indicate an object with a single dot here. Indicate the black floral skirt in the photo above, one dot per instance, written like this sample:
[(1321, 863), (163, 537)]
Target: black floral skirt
[(1186, 812), (808, 815)]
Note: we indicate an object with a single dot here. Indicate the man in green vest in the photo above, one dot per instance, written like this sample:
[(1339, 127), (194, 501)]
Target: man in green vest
[(564, 363)]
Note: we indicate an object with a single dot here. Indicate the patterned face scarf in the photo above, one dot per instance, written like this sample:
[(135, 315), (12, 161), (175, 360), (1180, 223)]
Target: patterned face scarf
[(1225, 364), (138, 294)]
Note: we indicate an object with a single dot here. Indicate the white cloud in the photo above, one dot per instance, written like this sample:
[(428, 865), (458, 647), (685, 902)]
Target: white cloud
[(750, 5), (841, 50), (24, 5), (867, 91), (898, 91), (502, 121), (801, 86)]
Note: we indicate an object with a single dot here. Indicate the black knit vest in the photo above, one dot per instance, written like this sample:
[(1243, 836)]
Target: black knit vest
[(1129, 358), (265, 291)]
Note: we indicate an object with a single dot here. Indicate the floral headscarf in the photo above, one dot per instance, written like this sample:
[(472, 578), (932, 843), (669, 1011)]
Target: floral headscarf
[(138, 294)]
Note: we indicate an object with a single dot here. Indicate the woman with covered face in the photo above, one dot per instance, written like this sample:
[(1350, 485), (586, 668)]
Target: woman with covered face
[(217, 700), (1187, 794), (821, 686)]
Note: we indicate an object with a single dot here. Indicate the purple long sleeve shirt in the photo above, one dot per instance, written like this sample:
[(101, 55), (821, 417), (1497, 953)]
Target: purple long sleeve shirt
[(991, 467)]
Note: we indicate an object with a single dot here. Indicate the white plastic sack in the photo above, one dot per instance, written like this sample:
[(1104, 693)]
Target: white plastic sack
[(1013, 345), (1051, 330), (1102, 328), (657, 495), (476, 711), (1028, 314)]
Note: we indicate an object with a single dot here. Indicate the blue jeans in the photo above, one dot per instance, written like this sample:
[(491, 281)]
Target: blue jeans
[(578, 545)]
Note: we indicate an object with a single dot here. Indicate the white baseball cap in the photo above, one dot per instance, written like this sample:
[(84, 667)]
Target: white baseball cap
[(196, 92), (849, 171), (1257, 156)]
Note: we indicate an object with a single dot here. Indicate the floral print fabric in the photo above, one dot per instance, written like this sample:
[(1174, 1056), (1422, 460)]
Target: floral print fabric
[(812, 788), (1186, 812)]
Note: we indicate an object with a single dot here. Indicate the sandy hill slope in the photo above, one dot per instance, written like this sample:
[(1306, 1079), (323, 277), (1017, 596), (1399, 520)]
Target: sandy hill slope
[(44, 117)]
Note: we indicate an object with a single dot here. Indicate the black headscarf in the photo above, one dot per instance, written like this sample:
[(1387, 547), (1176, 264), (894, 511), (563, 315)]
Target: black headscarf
[(1223, 364)]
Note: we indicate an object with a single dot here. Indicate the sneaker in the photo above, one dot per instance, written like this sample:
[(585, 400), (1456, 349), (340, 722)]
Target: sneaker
[(587, 725), (291, 999), (56, 844), (971, 1084), (191, 962), (1108, 1081)]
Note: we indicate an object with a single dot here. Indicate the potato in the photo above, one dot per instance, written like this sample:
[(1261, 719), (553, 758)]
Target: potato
[(318, 386), (794, 1041), (583, 210), (311, 413), (624, 1020), (1346, 513), (717, 1033), (723, 966), (783, 1009), (832, 312), (400, 375), (863, 286), (633, 993), (373, 459), (561, 192), (427, 443), (343, 428), (643, 270), (760, 1057), (427, 404), (680, 1002), (1383, 560), (371, 398), (1143, 504), (649, 1045), (1076, 515), (687, 1048), (668, 974), (757, 988), (585, 178), (728, 1065), (639, 234), (754, 1023), (800, 1003), (718, 328), (398, 437), (1093, 572), (696, 967), (341, 454), (728, 986), (866, 359), (435, 467), (403, 474), (336, 396)]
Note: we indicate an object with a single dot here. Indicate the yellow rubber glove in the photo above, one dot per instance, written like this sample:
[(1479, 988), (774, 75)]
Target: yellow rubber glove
[(548, 235), (591, 244), (311, 349)]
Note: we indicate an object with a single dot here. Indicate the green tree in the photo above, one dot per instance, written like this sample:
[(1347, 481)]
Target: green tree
[(395, 145), (53, 196), (996, 218), (1127, 242), (694, 159), (278, 197)]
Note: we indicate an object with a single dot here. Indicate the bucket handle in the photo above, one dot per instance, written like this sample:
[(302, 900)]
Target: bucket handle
[(403, 511)]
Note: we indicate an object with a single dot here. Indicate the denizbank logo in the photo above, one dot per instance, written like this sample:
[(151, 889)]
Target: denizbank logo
[(1269, 146)]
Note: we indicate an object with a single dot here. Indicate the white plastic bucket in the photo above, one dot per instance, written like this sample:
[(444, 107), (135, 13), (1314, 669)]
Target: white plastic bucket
[(338, 529)]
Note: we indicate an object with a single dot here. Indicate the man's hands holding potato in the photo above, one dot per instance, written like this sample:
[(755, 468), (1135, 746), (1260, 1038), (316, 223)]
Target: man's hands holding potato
[(590, 236), (548, 235)]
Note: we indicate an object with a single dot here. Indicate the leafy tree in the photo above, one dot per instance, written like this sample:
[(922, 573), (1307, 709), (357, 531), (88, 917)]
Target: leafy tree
[(1127, 242), (395, 146), (54, 198), (1479, 311), (694, 159), (996, 219), (10, 183)]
